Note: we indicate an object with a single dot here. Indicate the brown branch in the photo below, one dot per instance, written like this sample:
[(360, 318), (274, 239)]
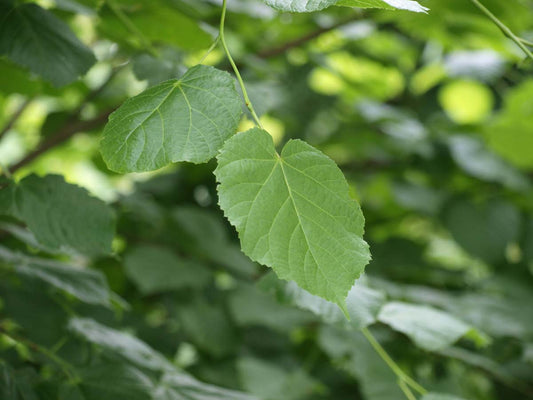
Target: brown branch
[(61, 136), (14, 118), (72, 125), (275, 51)]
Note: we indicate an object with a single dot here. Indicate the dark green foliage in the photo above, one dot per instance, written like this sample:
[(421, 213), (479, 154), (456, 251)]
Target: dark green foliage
[(397, 128)]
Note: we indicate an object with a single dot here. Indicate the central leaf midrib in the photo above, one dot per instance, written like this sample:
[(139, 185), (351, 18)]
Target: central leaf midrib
[(281, 162)]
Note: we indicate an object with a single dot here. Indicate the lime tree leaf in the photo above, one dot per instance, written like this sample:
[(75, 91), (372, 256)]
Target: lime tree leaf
[(113, 381), (159, 21), (175, 384), (250, 306), (8, 385), (60, 215), (70, 392), (409, 5), (483, 229), (120, 343), (178, 386), (475, 159), (300, 5), (208, 327), (270, 381), (479, 361), (293, 213), (207, 237), (35, 38), (429, 328), (155, 269), (85, 284), (316, 5), (178, 120), (362, 302), (440, 396), (509, 133)]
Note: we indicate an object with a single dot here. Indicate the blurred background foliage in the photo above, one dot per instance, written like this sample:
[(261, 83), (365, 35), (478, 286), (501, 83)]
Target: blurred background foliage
[(430, 117)]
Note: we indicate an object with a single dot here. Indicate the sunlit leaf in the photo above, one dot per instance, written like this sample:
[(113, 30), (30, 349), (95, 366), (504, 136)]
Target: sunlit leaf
[(293, 213)]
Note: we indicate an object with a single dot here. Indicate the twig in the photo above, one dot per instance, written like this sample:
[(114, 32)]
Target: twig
[(61, 136), (275, 51), (14, 118), (72, 125), (406, 391), (526, 42), (504, 28), (65, 367), (126, 21)]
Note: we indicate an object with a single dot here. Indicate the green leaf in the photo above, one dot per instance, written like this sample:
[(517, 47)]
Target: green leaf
[(252, 307), (440, 396), (509, 134), (409, 5), (429, 328), (70, 392), (85, 284), (179, 120), (8, 385), (316, 5), (270, 381), (179, 386), (208, 237), (475, 159), (362, 303), (123, 344), (110, 381), (35, 38), (485, 229), (174, 385), (156, 269), (60, 215), (293, 213), (300, 5), (159, 21), (208, 327)]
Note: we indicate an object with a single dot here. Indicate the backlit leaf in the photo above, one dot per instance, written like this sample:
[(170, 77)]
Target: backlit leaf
[(429, 328), (293, 213)]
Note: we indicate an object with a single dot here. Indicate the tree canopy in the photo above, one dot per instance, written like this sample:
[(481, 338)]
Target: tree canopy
[(266, 199)]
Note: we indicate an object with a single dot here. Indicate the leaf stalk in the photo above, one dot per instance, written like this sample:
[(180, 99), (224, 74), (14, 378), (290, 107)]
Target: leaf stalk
[(402, 376), (234, 66), (504, 28)]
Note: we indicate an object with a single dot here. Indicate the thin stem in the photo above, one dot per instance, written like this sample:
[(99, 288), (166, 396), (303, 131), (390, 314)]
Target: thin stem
[(65, 367), (405, 389), (72, 125), (392, 365), (504, 28), (281, 49), (211, 48), (526, 42), (14, 118), (234, 66), (131, 26)]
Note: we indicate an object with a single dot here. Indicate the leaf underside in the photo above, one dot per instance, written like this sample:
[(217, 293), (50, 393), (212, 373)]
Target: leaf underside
[(317, 5), (293, 213)]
